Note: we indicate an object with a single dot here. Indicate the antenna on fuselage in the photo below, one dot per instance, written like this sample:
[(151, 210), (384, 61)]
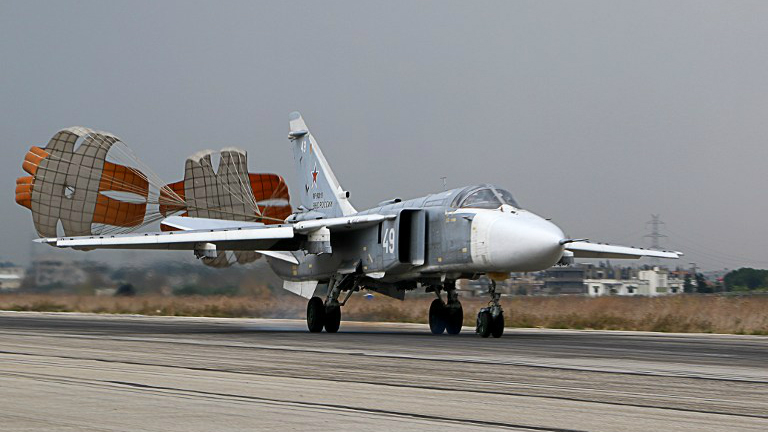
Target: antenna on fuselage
[(444, 179)]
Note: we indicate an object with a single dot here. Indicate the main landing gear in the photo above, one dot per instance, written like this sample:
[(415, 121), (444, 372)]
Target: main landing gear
[(490, 320), (328, 313), (446, 316)]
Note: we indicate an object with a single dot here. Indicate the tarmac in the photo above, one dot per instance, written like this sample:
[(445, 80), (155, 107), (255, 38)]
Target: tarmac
[(84, 372)]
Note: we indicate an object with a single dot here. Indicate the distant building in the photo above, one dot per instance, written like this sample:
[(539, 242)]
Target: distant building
[(657, 281), (648, 282), (564, 280), (517, 284), (11, 276), (604, 279), (59, 271), (56, 271), (604, 287)]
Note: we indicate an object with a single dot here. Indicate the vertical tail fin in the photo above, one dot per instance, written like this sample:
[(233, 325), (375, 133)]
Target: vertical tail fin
[(321, 190)]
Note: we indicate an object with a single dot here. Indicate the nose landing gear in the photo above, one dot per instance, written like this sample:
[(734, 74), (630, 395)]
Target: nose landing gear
[(490, 320)]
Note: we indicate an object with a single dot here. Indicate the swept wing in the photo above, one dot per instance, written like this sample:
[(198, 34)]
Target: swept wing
[(248, 238), (226, 235), (583, 249)]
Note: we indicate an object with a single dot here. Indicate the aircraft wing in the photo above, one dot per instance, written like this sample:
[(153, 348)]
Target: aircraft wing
[(334, 224), (583, 249), (226, 235), (246, 238)]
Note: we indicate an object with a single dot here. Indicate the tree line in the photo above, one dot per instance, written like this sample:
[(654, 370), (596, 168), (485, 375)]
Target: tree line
[(746, 279)]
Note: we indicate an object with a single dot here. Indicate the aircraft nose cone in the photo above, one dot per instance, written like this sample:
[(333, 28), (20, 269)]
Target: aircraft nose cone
[(525, 243)]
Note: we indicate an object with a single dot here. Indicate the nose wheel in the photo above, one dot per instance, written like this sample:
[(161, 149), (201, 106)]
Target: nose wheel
[(488, 325), (490, 320)]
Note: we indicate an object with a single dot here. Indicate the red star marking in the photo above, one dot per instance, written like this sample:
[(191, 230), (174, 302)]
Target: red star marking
[(314, 176)]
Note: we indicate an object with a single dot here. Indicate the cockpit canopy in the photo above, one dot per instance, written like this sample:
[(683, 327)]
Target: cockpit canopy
[(485, 197)]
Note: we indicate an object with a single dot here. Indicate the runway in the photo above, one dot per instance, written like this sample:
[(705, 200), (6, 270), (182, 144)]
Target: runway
[(68, 372)]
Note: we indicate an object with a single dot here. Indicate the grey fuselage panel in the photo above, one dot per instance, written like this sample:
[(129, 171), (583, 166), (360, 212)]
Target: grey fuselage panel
[(428, 238)]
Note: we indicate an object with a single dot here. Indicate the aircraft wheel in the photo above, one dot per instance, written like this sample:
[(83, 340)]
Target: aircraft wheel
[(315, 314), (332, 318), (484, 322), (454, 318), (497, 327), (437, 317)]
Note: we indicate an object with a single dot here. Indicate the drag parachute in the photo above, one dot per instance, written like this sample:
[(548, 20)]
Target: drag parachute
[(230, 192), (74, 186), (86, 182)]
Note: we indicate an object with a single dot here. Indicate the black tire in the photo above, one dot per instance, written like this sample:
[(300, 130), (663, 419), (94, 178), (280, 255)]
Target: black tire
[(484, 321), (332, 319), (497, 327), (315, 315), (454, 318), (437, 317)]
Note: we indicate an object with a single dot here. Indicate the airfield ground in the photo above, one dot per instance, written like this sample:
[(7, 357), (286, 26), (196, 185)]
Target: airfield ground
[(701, 314), (132, 373)]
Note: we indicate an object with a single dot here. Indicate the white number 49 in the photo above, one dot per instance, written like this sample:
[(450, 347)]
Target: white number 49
[(389, 240)]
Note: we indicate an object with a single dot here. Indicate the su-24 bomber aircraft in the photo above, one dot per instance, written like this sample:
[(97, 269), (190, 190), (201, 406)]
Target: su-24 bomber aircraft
[(432, 241)]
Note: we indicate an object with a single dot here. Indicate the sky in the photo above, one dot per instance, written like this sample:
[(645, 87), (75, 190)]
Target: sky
[(596, 114)]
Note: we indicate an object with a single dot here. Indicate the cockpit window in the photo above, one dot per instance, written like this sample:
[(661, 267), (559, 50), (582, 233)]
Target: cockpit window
[(484, 198), (507, 197), (489, 198)]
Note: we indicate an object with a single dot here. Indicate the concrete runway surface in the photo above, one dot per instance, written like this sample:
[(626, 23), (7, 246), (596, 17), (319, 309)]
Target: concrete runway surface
[(80, 372)]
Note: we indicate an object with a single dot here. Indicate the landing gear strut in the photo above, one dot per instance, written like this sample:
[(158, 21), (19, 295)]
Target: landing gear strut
[(328, 313), (490, 320), (446, 317)]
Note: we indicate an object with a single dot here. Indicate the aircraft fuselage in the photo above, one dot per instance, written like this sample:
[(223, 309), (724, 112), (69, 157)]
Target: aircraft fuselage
[(433, 238)]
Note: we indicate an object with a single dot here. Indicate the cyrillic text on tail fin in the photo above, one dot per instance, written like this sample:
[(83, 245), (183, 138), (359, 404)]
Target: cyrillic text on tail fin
[(321, 190)]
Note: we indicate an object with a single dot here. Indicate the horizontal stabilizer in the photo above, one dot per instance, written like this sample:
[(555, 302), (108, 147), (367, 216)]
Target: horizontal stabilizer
[(582, 249), (305, 289)]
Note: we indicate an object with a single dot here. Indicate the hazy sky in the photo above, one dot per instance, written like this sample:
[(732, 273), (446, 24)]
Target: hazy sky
[(595, 114)]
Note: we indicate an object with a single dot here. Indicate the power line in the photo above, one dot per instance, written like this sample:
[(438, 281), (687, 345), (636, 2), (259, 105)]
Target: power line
[(703, 249)]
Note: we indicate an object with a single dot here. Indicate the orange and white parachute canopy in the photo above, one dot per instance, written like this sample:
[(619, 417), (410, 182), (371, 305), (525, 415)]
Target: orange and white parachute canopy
[(230, 192), (86, 182), (73, 185)]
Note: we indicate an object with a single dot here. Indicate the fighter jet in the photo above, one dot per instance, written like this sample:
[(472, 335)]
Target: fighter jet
[(429, 242)]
